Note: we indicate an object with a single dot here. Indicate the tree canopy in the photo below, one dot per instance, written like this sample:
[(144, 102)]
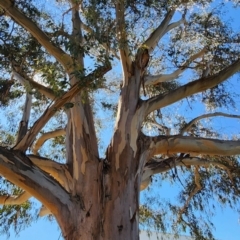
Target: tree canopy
[(132, 93)]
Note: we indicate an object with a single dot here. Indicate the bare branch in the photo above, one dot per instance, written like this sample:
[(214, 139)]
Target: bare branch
[(190, 88), (14, 200), (216, 114), (50, 111), (151, 80), (158, 33), (45, 137), (42, 38), (32, 84)]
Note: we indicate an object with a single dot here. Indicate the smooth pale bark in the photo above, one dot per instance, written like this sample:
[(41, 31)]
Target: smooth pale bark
[(183, 144), (82, 154), (46, 136), (154, 79), (159, 32), (175, 24), (16, 200), (122, 179)]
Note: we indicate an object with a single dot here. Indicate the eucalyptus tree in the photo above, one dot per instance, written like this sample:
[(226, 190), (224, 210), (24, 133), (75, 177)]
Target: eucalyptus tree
[(173, 62)]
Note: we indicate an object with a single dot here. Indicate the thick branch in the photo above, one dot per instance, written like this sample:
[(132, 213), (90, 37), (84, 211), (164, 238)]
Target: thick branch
[(45, 137), (122, 38), (158, 33), (185, 144), (50, 111), (14, 200), (191, 88), (18, 169), (216, 114), (58, 171), (42, 38), (151, 80), (32, 84)]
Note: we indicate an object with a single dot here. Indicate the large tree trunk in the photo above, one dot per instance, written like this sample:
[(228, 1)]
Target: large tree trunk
[(106, 202), (112, 212)]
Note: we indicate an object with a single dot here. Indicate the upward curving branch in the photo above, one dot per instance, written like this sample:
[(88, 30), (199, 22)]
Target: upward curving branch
[(175, 24), (42, 38), (216, 114), (45, 137), (191, 88)]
